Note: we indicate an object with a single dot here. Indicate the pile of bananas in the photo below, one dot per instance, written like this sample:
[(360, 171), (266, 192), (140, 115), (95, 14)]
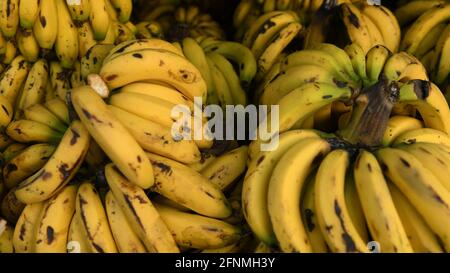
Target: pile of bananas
[(92, 160)]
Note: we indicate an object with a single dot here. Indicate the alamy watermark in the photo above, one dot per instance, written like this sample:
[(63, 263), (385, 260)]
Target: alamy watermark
[(235, 122)]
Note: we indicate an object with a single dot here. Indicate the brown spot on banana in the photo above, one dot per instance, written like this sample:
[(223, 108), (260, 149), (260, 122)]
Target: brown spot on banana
[(346, 238), (50, 235)]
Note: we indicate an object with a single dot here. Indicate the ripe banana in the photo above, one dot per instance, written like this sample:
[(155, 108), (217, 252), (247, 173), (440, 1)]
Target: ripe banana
[(26, 163), (92, 61), (356, 26), (28, 13), (59, 169), (6, 239), (181, 184), (86, 38), (375, 61), (79, 10), (11, 207), (124, 9), (59, 108), (54, 221), (59, 80), (222, 90), (13, 78), (413, 9), (423, 135), (140, 213), (27, 44), (421, 188), (45, 28), (66, 45), (40, 113), (26, 228), (126, 239), (383, 220), (99, 19), (76, 240), (7, 113), (33, 91), (89, 209), (398, 125), (284, 193), (9, 17), (27, 131)]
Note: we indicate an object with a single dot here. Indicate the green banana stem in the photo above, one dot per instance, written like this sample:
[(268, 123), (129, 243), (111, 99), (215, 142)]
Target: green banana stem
[(370, 116)]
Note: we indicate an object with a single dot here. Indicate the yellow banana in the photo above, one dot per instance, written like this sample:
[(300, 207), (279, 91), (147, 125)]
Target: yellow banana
[(99, 19), (7, 113), (59, 108), (398, 125), (13, 78), (6, 239), (11, 51), (59, 80), (40, 113), (423, 135), (33, 91), (11, 207), (66, 45), (357, 28), (76, 240), (79, 10), (45, 28), (86, 38), (32, 131), (28, 13), (26, 227), (9, 17), (92, 61), (375, 61), (412, 9), (124, 9), (27, 44)]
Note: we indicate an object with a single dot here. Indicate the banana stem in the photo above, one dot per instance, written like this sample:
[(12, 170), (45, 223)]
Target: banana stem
[(370, 114)]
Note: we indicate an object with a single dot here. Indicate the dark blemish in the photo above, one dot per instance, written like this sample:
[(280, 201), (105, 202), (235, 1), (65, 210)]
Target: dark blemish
[(46, 175), (425, 150), (23, 230), (50, 235), (339, 83), (111, 77), (212, 229), (64, 170), (161, 63), (369, 167), (348, 241), (261, 159), (422, 89), (90, 116), (353, 19), (214, 48), (98, 248), (6, 110), (141, 199), (209, 194), (138, 55), (95, 60), (10, 167), (61, 76), (309, 222), (384, 167), (75, 137), (406, 163), (327, 96), (130, 205), (139, 159), (165, 169)]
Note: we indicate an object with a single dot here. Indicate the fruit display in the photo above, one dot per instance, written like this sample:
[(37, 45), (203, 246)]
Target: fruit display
[(252, 126)]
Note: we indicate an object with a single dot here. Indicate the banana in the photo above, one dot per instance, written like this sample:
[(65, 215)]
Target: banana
[(270, 76), (412, 9), (92, 61), (221, 88), (79, 10), (398, 125), (124, 9), (226, 68), (195, 54), (6, 240), (293, 78), (441, 66), (358, 59), (241, 12), (112, 12), (374, 33), (50, 93), (206, 159), (99, 19), (66, 45), (140, 44), (7, 113), (54, 222), (333, 215), (89, 209), (156, 138), (433, 158), (429, 101), (191, 230), (126, 239), (140, 213), (284, 193), (429, 41), (111, 34), (59, 80), (269, 5), (59, 108), (86, 38), (422, 26), (11, 207), (383, 220), (9, 18), (375, 61), (59, 169), (256, 183), (32, 131), (276, 46), (11, 51), (308, 98), (33, 91), (421, 188), (25, 231), (354, 207), (421, 237), (13, 78), (76, 240), (149, 30), (269, 29), (107, 132), (12, 150), (341, 57), (26, 163), (125, 33), (27, 44), (75, 76), (40, 113), (153, 64), (423, 135), (225, 169), (240, 55), (386, 23), (396, 66), (45, 28), (309, 218), (28, 13), (194, 192), (356, 26)]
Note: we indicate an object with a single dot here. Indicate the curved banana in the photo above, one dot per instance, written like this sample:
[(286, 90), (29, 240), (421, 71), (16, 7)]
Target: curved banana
[(183, 185), (40, 113), (140, 213), (76, 236), (66, 45), (26, 228), (59, 169), (126, 239), (124, 9), (7, 113), (59, 80), (398, 125), (27, 44), (99, 19), (59, 108), (86, 38), (13, 78), (79, 10), (221, 90), (410, 10), (358, 59), (9, 17), (11, 207), (11, 51), (356, 26), (256, 183), (92, 61), (421, 188), (28, 13), (45, 28), (382, 218), (12, 150), (92, 215), (33, 91), (32, 131), (6, 239), (423, 135), (375, 61), (284, 193), (108, 132), (54, 221), (333, 216)]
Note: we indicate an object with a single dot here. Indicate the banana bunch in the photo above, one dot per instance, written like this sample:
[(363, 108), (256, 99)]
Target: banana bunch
[(311, 84), (427, 36), (365, 24), (178, 21), (214, 59), (269, 35), (347, 192)]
